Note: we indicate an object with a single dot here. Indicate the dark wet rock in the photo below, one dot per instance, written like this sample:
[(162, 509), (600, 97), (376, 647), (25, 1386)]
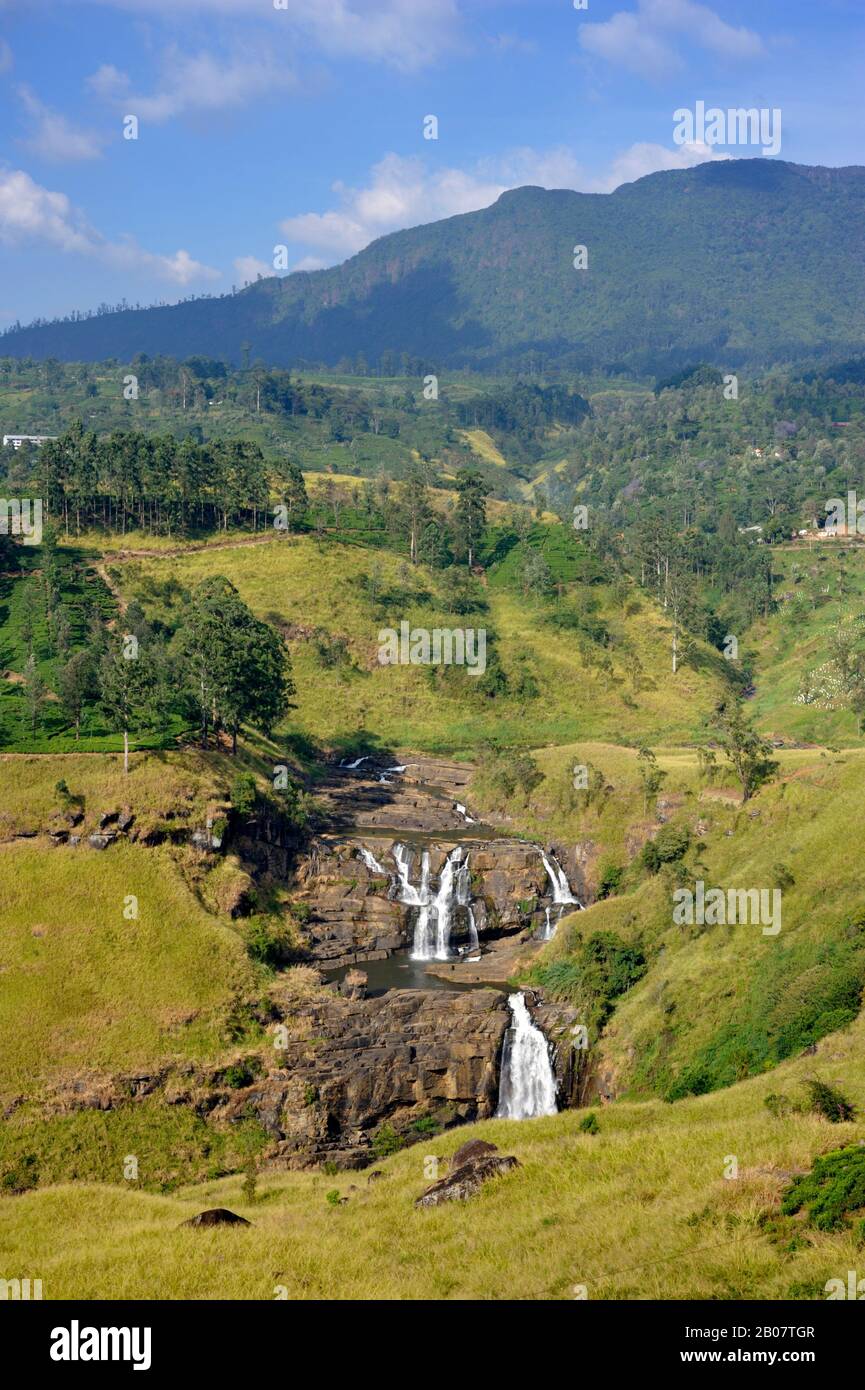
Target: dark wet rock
[(99, 841), (108, 818), (467, 1180), (217, 1216), (125, 820)]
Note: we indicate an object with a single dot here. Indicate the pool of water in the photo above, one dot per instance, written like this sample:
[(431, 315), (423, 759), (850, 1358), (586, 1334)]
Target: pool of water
[(399, 971)]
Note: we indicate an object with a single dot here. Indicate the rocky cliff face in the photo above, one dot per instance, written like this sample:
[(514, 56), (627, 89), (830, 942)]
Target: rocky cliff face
[(354, 912), (337, 1069), (364, 1062)]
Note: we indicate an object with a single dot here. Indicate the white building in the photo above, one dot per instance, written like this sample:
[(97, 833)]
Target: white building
[(16, 440)]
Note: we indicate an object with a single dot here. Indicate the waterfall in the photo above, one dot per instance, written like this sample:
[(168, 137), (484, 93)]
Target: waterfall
[(463, 885), (469, 820), (350, 766), (561, 888), (549, 930), (562, 896), (527, 1085), (371, 862), (432, 930)]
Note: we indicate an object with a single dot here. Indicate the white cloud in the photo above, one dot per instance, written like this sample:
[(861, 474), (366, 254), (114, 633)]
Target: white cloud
[(407, 34), (405, 192), (401, 193), (642, 159), (250, 267), (52, 136), (30, 213), (643, 40), (196, 82)]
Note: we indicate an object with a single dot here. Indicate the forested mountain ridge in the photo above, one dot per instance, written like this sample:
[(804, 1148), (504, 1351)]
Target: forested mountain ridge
[(734, 262)]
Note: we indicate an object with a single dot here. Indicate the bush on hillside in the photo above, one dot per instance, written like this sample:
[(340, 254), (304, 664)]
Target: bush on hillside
[(834, 1188)]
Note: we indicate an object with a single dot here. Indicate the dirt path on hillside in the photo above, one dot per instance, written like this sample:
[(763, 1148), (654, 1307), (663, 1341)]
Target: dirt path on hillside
[(191, 548)]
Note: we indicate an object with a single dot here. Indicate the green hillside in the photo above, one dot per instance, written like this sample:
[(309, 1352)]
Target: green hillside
[(733, 262)]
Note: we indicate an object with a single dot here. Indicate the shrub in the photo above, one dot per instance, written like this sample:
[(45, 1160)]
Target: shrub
[(268, 940), (824, 1100), (243, 794), (250, 1182), (834, 1188), (386, 1141), (425, 1124), (589, 1124), (611, 880), (20, 1175), (602, 969), (670, 844), (241, 1074), (333, 1197)]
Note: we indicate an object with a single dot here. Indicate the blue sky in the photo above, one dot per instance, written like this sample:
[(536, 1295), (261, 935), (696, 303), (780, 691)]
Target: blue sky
[(303, 125)]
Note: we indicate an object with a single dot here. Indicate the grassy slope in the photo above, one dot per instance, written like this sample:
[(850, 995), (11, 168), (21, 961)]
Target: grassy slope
[(641, 1210), (185, 783), (109, 992), (815, 589), (309, 582), (702, 981)]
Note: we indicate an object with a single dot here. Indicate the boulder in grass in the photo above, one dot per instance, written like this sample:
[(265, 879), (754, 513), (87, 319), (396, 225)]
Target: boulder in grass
[(217, 1216), (469, 1178), (475, 1148)]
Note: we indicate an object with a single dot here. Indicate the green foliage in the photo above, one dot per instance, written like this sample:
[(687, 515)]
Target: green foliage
[(386, 1141), (250, 1182), (798, 994), (243, 794), (589, 1124), (828, 1101), (748, 754), (610, 879), (671, 844), (599, 971), (241, 1074), (833, 1190)]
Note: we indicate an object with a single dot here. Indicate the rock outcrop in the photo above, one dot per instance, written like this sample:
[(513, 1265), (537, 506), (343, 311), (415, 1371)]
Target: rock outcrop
[(354, 913), (216, 1216), (466, 1178), (363, 1063)]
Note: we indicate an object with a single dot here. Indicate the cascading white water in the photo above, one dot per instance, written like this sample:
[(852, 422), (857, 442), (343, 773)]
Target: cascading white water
[(357, 762), (432, 930), (561, 888), (527, 1084), (460, 808), (562, 896), (371, 862)]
